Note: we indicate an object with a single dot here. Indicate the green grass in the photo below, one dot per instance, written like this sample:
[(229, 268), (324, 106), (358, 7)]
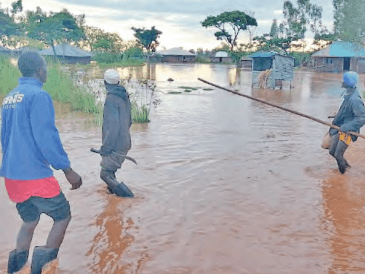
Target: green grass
[(140, 114), (207, 88), (174, 92), (59, 85), (9, 75), (188, 88)]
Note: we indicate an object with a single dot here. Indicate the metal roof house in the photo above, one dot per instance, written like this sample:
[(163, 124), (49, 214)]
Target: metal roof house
[(340, 56), (68, 54), (220, 57), (176, 55), (280, 67), (246, 62)]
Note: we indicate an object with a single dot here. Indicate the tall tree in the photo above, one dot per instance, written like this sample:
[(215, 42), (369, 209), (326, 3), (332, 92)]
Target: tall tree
[(274, 29), (16, 7), (349, 20), (7, 26), (236, 20), (297, 20), (92, 36), (251, 28), (108, 42), (148, 38), (53, 28)]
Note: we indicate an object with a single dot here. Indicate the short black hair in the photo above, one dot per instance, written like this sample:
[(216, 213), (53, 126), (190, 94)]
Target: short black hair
[(29, 62)]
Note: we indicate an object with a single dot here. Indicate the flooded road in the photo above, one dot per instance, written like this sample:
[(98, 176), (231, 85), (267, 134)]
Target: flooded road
[(223, 185)]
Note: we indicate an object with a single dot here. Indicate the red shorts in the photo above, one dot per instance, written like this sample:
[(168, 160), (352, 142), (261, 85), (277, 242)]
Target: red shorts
[(21, 190)]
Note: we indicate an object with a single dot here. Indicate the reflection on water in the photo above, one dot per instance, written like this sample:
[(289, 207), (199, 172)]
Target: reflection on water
[(223, 184), (344, 208), (112, 240)]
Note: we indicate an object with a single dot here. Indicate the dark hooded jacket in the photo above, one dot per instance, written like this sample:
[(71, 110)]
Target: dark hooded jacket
[(351, 115), (116, 121)]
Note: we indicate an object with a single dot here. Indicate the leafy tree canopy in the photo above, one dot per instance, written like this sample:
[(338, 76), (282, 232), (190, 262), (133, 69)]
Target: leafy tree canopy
[(236, 20), (55, 27), (148, 38), (7, 26), (349, 20)]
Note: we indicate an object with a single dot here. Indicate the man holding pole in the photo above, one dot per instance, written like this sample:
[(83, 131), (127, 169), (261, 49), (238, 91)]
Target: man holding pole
[(350, 118)]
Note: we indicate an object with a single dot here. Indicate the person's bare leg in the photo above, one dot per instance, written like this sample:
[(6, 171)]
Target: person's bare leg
[(25, 235), (57, 233)]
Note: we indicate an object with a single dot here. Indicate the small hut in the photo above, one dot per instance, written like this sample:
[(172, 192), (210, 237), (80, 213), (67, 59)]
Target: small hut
[(246, 62), (176, 55), (220, 57), (340, 56), (68, 54), (276, 67)]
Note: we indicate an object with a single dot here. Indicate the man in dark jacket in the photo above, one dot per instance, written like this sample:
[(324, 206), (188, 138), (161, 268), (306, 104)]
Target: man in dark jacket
[(350, 118), (116, 140)]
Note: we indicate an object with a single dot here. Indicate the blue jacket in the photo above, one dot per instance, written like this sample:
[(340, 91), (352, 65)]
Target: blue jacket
[(351, 115), (29, 138)]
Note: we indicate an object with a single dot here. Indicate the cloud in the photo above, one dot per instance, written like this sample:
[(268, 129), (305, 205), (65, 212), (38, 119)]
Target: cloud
[(179, 20)]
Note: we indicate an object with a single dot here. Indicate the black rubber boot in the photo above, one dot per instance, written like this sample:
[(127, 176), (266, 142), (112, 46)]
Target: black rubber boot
[(41, 256), (122, 190), (17, 260)]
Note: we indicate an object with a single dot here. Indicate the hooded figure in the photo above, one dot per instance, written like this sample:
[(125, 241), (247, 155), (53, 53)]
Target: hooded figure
[(350, 118), (116, 141)]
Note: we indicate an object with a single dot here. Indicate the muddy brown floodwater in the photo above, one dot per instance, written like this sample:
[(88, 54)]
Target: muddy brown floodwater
[(223, 185)]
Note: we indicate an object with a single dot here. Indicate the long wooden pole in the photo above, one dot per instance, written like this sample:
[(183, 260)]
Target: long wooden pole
[(282, 108)]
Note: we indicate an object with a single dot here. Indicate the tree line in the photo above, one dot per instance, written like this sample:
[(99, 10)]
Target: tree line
[(38, 28)]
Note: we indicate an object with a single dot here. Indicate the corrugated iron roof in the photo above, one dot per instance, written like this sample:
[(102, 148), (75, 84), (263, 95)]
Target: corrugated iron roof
[(341, 49), (175, 51), (221, 54), (263, 54), (66, 50)]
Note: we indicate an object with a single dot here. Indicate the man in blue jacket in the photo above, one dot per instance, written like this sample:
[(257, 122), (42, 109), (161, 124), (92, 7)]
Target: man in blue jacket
[(30, 146), (350, 118)]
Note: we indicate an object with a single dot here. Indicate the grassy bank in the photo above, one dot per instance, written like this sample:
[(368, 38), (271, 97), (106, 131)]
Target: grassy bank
[(9, 75), (59, 85), (70, 96)]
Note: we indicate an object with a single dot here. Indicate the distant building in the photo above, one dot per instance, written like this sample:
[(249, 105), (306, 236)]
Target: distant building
[(340, 56), (280, 67), (176, 55), (220, 57), (246, 62), (18, 52), (68, 54)]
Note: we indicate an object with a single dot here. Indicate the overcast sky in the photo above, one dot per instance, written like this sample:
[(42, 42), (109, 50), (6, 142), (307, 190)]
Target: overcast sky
[(179, 20)]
